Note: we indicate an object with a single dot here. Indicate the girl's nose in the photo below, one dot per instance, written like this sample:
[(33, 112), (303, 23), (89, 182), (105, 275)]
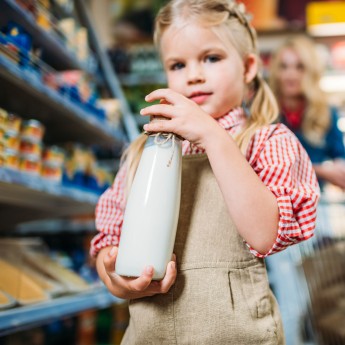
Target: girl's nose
[(195, 75)]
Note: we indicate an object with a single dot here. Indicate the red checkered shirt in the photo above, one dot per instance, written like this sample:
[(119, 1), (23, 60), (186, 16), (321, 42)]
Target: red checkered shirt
[(279, 160)]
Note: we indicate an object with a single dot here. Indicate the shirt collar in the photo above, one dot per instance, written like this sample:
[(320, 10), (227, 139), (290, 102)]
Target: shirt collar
[(234, 118)]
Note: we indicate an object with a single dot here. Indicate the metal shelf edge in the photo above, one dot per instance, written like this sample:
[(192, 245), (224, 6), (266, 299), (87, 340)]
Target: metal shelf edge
[(38, 184), (12, 320), (38, 86)]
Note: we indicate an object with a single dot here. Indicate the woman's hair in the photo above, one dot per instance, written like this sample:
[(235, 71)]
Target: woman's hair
[(316, 119), (228, 18)]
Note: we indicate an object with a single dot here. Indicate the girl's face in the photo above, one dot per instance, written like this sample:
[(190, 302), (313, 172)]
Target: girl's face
[(201, 67), (290, 74)]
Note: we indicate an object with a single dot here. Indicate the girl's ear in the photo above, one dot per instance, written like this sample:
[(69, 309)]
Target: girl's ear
[(250, 68)]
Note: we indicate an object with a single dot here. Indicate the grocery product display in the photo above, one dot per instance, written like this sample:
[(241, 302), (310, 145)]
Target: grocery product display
[(57, 115), (67, 111)]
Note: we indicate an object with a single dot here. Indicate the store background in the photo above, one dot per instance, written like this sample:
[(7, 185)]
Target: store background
[(80, 69)]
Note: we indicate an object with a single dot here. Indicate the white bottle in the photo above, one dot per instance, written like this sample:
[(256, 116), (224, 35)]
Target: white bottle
[(151, 214)]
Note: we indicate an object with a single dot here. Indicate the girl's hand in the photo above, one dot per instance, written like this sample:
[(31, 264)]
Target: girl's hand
[(143, 286), (187, 119)]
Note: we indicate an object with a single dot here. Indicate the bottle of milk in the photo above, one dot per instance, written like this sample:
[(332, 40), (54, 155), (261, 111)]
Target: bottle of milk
[(151, 215)]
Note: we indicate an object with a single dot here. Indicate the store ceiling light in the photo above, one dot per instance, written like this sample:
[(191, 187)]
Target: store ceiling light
[(333, 83), (326, 18), (325, 30)]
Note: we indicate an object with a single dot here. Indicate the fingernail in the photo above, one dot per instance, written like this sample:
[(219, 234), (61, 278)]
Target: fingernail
[(145, 127), (146, 97), (173, 265), (112, 251), (141, 111), (149, 269)]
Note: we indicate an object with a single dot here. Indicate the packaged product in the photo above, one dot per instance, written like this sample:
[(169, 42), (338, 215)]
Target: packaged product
[(11, 159), (30, 164), (28, 147), (11, 140), (13, 123), (51, 171), (32, 130)]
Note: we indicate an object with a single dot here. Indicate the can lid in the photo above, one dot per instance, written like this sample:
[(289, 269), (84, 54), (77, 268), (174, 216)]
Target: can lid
[(33, 123)]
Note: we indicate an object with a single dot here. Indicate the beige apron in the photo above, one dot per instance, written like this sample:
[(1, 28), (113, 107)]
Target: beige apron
[(221, 294)]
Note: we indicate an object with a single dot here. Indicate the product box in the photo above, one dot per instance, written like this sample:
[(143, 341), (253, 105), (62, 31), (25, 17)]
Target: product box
[(29, 275)]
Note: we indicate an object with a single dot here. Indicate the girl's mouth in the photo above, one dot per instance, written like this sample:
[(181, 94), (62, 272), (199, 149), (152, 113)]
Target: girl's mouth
[(199, 97)]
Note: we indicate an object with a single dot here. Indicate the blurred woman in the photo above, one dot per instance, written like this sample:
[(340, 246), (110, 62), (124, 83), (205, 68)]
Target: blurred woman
[(294, 77)]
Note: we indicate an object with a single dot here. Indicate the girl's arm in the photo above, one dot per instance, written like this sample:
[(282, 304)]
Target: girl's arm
[(267, 216), (250, 203)]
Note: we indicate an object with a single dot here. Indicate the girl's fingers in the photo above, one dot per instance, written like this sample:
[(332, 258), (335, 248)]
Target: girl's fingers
[(144, 282), (168, 95), (159, 126), (169, 278), (165, 110), (141, 283), (164, 101), (109, 261)]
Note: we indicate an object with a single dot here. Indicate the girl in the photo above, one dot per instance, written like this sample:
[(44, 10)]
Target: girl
[(248, 188), (304, 107)]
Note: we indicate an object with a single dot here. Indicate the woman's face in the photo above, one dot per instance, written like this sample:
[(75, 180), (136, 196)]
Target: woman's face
[(290, 74)]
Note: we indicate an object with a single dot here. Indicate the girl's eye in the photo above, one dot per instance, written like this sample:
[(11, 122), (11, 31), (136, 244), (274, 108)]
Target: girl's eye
[(176, 66), (300, 67), (212, 58), (283, 66)]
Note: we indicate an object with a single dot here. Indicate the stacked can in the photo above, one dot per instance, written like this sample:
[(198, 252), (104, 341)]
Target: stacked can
[(31, 147), (53, 163), (9, 139)]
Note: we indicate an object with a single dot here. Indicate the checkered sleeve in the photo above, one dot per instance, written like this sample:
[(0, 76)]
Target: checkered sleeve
[(109, 215), (284, 166)]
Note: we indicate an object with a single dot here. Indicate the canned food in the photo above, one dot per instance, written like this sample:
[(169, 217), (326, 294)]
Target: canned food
[(54, 154), (13, 123), (2, 133), (3, 118), (11, 159), (30, 164), (11, 140), (33, 130), (30, 148), (51, 171), (2, 159), (2, 147)]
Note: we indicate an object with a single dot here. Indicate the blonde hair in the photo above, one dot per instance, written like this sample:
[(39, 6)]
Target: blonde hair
[(316, 119), (230, 17)]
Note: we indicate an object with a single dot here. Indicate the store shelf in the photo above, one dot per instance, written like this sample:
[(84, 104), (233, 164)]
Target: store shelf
[(56, 226), (54, 50), (14, 320), (66, 120), (24, 197), (134, 79)]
